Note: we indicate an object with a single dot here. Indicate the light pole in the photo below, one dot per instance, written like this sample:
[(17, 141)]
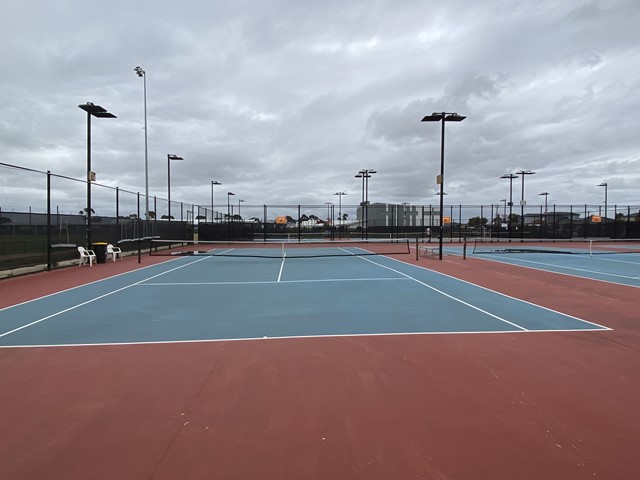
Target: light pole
[(229, 205), (229, 215), (442, 117), (328, 204), (239, 202), (213, 182), (522, 202), (365, 174), (141, 73), (170, 157), (504, 201), (605, 185), (96, 111), (546, 216), (510, 176), (340, 194)]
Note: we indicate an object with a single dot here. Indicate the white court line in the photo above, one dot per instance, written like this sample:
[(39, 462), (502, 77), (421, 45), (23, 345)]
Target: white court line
[(447, 295), (566, 268), (303, 337), (90, 283), (281, 267), (96, 298), (600, 327), (319, 280), (616, 261)]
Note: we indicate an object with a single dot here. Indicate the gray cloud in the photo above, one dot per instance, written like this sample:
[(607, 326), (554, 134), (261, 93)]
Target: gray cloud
[(283, 102)]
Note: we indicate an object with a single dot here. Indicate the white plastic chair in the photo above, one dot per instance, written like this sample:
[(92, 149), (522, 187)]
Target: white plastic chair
[(86, 256), (114, 252)]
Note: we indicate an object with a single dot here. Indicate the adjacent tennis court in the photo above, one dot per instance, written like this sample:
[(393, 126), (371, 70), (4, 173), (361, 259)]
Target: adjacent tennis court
[(608, 261)]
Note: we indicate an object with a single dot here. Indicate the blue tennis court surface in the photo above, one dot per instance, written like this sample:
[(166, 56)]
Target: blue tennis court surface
[(603, 265), (204, 298)]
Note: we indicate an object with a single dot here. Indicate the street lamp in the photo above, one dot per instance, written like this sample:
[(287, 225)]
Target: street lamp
[(229, 215), (510, 176), (239, 202), (340, 194), (329, 205), (213, 182), (141, 73), (96, 111), (365, 174), (442, 117), (605, 185), (546, 216), (229, 205), (170, 157), (522, 202)]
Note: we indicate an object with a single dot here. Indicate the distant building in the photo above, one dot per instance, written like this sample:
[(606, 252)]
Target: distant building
[(399, 215)]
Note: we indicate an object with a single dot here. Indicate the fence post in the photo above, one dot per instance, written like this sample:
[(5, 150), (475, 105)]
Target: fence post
[(264, 222), (48, 220)]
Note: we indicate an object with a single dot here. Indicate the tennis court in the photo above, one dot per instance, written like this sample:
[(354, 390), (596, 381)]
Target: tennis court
[(327, 361), (608, 261), (240, 293)]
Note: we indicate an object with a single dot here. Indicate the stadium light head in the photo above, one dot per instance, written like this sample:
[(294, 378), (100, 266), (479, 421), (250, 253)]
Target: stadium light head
[(447, 117), (139, 71), (96, 110)]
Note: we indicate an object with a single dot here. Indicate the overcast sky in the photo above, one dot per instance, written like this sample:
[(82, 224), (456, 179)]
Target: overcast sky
[(283, 101)]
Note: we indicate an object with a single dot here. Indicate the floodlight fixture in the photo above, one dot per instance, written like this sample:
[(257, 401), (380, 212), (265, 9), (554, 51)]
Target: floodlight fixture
[(99, 112), (442, 117)]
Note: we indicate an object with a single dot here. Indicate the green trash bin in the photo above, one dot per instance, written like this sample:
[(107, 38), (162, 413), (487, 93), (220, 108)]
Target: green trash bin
[(100, 249)]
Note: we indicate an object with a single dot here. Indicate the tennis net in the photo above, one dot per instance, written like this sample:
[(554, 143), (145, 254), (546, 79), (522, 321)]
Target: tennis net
[(568, 247), (280, 249)]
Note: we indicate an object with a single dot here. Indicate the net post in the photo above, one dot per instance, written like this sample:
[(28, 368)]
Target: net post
[(590, 248), (464, 249)]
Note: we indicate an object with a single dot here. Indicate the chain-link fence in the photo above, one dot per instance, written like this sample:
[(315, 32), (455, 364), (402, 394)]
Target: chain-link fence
[(54, 218)]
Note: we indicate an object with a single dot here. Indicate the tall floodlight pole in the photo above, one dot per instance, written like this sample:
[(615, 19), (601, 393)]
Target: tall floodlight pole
[(328, 204), (239, 202), (546, 217), (365, 174), (360, 174), (229, 215), (96, 111), (141, 73), (170, 157), (442, 117), (340, 194), (229, 205), (522, 202), (366, 200), (213, 182), (510, 176), (605, 185), (504, 201)]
